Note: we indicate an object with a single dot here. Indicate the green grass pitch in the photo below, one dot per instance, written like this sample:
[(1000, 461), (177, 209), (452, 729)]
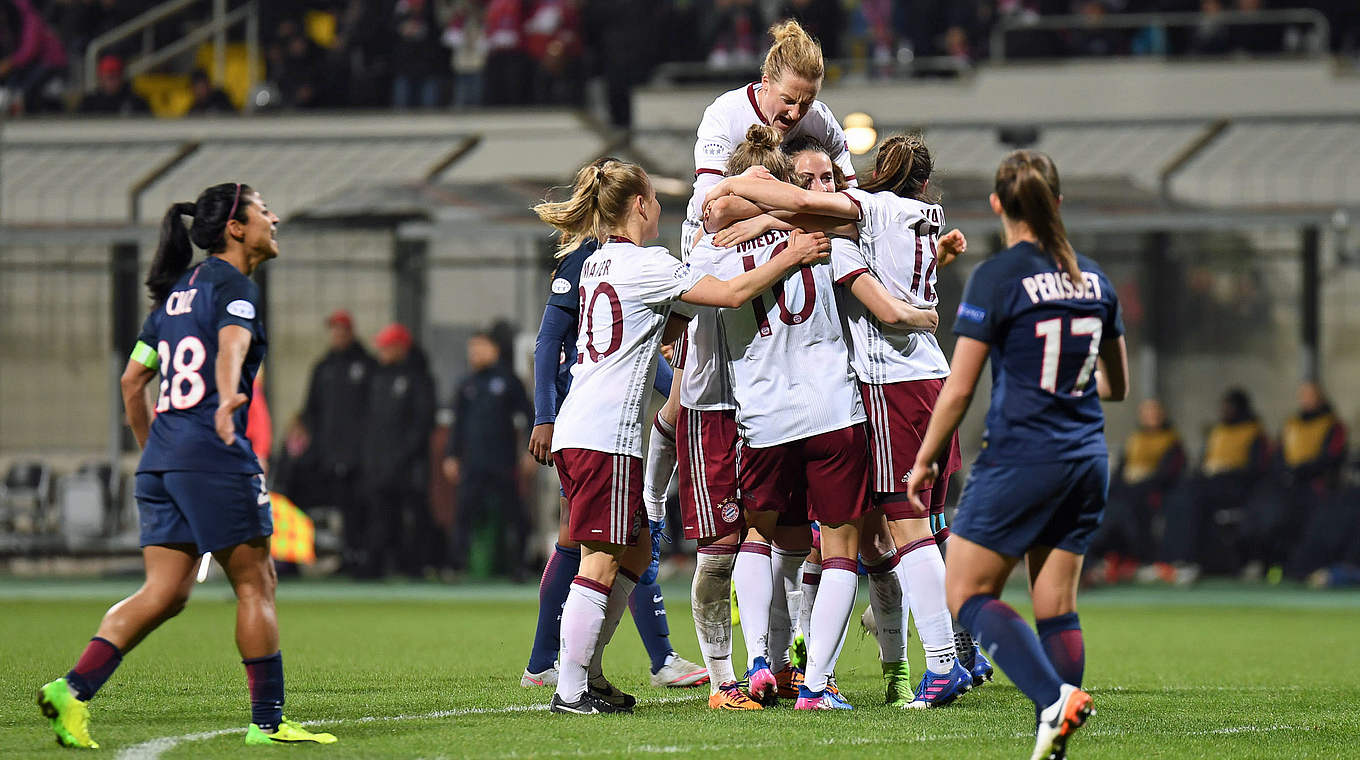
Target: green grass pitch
[(430, 671)]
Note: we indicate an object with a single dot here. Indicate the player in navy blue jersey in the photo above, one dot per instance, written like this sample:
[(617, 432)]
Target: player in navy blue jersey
[(199, 486), (554, 356), (1049, 319)]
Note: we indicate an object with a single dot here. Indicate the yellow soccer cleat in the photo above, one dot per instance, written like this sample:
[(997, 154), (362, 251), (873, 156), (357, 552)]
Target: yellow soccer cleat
[(70, 717), (288, 732)]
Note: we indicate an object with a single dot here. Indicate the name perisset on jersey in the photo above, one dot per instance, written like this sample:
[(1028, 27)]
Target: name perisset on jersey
[(1058, 286)]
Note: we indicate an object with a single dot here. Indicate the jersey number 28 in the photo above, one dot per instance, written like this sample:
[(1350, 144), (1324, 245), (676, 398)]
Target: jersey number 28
[(182, 385), (1051, 331)]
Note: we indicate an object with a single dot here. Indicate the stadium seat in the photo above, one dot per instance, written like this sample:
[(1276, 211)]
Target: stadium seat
[(25, 497)]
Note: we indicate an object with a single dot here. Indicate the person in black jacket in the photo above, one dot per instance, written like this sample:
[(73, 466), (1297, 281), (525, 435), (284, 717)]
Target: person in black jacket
[(334, 426), (394, 469), (491, 414)]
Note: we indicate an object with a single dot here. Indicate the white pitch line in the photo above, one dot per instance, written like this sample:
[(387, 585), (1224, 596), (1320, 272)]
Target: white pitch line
[(152, 749)]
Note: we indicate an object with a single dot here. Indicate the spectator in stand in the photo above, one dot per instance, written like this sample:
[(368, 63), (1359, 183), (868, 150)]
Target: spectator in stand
[(491, 416), (552, 36), (33, 57), (1312, 452), (418, 62), (464, 36), (621, 34), (506, 78), (333, 425), (1151, 465), (823, 19), (208, 99), (114, 95), (1211, 34), (1095, 41), (297, 66), (1206, 517), (394, 463), (734, 33)]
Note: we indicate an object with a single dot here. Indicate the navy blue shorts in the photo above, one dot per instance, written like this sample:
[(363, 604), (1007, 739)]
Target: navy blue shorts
[(1011, 508), (211, 510)]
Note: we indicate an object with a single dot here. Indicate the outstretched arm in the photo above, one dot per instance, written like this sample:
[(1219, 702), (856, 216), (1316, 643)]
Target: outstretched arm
[(802, 249), (781, 195)]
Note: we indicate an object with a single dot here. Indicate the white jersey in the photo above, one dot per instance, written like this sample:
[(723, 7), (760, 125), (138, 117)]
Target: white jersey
[(627, 293), (790, 365), (702, 353), (898, 243), (724, 128)]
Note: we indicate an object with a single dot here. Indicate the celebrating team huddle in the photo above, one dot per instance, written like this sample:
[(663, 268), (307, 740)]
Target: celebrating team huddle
[(812, 416)]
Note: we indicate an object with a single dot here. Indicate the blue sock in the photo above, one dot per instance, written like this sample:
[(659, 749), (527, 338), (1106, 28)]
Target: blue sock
[(552, 594), (1062, 640), (1011, 643), (649, 614), (265, 677)]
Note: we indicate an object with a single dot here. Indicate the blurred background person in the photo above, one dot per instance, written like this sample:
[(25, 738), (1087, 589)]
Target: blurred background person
[(505, 80), (31, 56), (553, 40), (333, 426), (113, 94), (208, 99), (464, 36), (418, 62), (491, 416)]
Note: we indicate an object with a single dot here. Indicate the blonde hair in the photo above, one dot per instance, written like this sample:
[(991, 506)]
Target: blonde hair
[(761, 147), (599, 202), (1027, 186), (793, 50)]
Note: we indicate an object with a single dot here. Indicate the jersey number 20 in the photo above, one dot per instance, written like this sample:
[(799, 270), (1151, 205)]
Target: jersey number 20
[(182, 385), (587, 318), (1051, 331)]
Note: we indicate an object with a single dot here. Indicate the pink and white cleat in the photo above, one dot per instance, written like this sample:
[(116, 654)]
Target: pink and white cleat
[(764, 688)]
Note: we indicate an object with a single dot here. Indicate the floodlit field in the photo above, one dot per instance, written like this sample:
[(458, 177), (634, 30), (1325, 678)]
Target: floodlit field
[(433, 671)]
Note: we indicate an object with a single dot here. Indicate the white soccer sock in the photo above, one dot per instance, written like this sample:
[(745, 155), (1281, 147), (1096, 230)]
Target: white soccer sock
[(582, 618), (613, 612), (783, 603), (711, 601), (829, 617), (886, 599), (659, 468), (811, 581), (921, 571), (755, 586)]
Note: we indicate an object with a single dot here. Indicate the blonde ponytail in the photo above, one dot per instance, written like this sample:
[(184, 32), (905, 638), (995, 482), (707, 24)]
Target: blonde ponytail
[(761, 147), (1027, 186), (794, 51), (598, 203)]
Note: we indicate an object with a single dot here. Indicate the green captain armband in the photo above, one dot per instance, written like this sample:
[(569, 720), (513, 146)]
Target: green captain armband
[(145, 355)]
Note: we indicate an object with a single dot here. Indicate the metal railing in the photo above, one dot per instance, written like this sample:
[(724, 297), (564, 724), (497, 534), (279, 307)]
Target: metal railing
[(215, 29), (678, 72), (1315, 43)]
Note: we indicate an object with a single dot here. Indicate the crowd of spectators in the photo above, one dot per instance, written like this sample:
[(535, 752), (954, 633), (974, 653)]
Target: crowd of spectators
[(468, 53), (1255, 506)]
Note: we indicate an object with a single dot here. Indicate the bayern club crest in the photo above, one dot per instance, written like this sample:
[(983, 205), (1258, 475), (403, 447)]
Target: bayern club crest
[(729, 511)]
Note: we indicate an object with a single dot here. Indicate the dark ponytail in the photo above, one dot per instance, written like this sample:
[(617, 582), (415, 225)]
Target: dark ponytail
[(903, 166), (1027, 186), (175, 252)]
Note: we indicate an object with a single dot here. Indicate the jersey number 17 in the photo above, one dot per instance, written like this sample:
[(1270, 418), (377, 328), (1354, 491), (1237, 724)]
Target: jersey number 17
[(1051, 331)]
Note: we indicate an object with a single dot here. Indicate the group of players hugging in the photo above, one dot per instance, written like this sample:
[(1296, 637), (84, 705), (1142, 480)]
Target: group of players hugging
[(811, 418), (812, 414)]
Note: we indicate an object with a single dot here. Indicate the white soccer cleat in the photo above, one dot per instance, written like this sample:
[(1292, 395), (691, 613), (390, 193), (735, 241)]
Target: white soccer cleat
[(546, 678), (1059, 721), (680, 673)]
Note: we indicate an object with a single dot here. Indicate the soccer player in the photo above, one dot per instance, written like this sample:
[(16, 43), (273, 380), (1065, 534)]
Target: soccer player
[(626, 294), (554, 356), (199, 486), (1049, 319)]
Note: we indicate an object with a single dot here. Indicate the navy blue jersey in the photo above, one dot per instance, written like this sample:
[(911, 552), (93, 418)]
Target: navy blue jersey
[(566, 280), (183, 332), (1045, 333)]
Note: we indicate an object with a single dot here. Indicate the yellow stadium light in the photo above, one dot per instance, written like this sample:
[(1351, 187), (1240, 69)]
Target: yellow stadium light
[(859, 133)]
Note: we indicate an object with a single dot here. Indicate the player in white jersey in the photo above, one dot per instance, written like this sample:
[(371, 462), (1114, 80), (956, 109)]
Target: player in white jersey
[(785, 98), (901, 374), (627, 295)]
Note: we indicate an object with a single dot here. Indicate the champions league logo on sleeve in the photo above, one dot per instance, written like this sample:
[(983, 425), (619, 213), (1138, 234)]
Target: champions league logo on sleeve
[(241, 308), (560, 286), (971, 313)]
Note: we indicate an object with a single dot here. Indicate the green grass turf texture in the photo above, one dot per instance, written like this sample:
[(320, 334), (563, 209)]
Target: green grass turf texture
[(1217, 672)]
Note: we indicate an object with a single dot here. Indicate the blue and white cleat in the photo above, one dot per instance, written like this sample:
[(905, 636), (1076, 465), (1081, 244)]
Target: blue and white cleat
[(820, 700), (982, 667), (936, 690)]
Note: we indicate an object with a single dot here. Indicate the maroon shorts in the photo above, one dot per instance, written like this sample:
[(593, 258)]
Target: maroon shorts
[(898, 416), (604, 494), (896, 506), (706, 464), (833, 469)]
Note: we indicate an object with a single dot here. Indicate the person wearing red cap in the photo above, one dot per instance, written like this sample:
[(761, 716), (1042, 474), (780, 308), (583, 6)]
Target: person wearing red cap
[(333, 424), (114, 96), (394, 463)]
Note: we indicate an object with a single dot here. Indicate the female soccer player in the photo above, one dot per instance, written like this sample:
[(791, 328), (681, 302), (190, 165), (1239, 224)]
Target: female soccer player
[(199, 485), (554, 356), (1050, 320), (626, 293)]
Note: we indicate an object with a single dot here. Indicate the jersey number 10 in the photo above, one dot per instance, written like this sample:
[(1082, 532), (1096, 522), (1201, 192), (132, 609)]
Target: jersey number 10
[(787, 317), (185, 387), (1051, 331)]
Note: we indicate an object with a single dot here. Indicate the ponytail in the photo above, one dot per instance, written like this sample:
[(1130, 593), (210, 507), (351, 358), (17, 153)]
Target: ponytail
[(903, 166), (175, 250), (598, 203), (1027, 186)]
